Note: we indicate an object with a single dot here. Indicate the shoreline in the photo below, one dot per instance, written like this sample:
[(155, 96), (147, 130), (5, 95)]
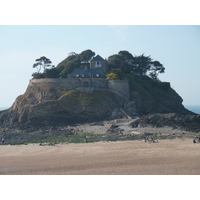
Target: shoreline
[(110, 130)]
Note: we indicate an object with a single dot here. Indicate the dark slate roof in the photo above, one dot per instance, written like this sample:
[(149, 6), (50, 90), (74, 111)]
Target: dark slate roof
[(76, 71), (96, 71), (88, 72), (97, 58)]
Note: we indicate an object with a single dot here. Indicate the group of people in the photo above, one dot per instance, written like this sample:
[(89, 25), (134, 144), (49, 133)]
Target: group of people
[(150, 139), (194, 141)]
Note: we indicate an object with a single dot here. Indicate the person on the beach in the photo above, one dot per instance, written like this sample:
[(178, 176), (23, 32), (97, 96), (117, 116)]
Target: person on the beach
[(199, 140), (194, 141), (2, 140), (85, 139)]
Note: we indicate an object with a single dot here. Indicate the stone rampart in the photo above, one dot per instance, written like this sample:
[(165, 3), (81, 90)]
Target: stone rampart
[(120, 86), (60, 84)]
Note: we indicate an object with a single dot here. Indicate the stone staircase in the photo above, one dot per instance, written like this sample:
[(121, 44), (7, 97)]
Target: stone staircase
[(127, 116)]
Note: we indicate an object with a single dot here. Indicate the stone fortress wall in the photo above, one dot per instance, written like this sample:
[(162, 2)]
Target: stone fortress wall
[(119, 86)]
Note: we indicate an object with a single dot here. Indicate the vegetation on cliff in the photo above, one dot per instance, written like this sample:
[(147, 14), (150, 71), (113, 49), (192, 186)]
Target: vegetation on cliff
[(125, 63), (120, 65), (72, 62)]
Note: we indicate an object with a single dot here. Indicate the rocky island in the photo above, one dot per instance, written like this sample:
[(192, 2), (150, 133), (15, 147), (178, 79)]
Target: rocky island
[(87, 89)]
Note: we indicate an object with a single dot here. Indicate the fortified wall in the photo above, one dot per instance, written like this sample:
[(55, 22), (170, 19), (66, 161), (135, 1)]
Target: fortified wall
[(119, 86)]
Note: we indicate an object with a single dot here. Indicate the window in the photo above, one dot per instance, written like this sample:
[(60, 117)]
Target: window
[(77, 75), (97, 75), (83, 75), (97, 64)]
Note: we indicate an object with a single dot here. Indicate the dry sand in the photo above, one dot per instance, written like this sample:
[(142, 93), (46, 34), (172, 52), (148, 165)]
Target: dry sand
[(129, 157)]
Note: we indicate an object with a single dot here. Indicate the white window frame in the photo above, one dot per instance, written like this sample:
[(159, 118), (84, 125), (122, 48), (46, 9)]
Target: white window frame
[(97, 64)]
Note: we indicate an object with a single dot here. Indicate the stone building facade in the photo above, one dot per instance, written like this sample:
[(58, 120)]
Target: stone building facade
[(99, 62), (97, 68)]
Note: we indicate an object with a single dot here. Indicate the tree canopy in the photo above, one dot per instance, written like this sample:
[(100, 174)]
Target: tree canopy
[(137, 65), (42, 62), (119, 64), (74, 61)]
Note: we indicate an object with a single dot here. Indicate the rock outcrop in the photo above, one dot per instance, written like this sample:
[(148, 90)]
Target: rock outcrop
[(49, 106), (177, 121)]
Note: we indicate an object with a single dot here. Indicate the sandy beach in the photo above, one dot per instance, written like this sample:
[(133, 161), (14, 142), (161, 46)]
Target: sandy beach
[(173, 157)]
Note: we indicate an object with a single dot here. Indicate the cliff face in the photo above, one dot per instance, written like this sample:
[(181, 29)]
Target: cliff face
[(155, 97), (42, 105)]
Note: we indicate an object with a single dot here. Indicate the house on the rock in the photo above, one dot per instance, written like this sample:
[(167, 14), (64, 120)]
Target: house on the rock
[(99, 62), (97, 68), (91, 75)]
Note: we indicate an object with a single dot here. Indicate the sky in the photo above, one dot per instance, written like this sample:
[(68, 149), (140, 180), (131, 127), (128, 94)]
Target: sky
[(177, 47), (166, 31)]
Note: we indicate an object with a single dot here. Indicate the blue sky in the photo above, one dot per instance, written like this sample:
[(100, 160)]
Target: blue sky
[(176, 47)]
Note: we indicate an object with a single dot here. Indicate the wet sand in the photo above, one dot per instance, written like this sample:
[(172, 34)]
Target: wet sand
[(173, 157)]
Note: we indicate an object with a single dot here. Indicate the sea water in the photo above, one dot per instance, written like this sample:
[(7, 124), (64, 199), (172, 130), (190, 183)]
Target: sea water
[(3, 108), (195, 109)]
